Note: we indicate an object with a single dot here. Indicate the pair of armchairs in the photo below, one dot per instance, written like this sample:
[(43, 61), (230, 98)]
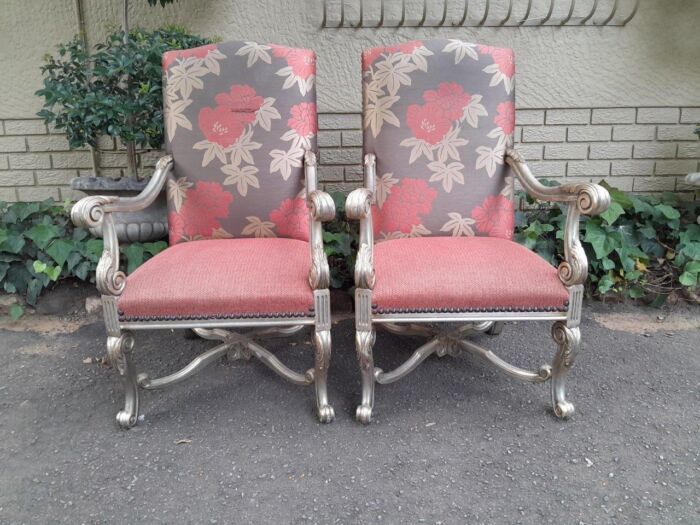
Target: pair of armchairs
[(246, 258)]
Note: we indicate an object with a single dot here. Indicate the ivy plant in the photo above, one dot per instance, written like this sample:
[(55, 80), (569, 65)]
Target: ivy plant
[(39, 246)]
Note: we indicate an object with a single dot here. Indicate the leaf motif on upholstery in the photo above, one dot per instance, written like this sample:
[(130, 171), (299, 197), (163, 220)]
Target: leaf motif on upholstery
[(383, 186), (418, 230), (461, 50), (220, 233), (418, 147), (266, 114), (458, 225), (284, 161), (174, 116), (242, 177), (447, 148), (508, 190), (498, 77), (177, 191), (241, 150), (304, 84), (211, 61), (212, 149), (474, 110), (258, 228), (378, 112), (393, 72), (255, 52), (448, 174), (489, 158), (372, 90), (186, 76), (418, 58)]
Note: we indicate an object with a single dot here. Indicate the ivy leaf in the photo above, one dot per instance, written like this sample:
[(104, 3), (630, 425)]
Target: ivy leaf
[(13, 244), (668, 211), (43, 234), (59, 250), (134, 256), (16, 311), (612, 213)]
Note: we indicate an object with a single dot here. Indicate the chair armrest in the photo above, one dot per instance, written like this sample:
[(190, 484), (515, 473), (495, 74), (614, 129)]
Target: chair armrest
[(583, 198), (321, 209), (358, 206), (96, 211), (590, 199)]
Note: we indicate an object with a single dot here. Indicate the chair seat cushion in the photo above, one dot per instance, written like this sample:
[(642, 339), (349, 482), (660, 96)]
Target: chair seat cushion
[(434, 274), (223, 278)]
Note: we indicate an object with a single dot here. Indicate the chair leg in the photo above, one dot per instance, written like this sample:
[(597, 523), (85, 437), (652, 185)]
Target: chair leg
[(119, 350), (496, 328), (322, 340), (364, 341), (568, 339)]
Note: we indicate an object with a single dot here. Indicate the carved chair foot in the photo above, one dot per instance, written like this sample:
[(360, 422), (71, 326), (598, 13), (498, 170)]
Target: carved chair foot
[(326, 414), (563, 409), (568, 339), (119, 350), (364, 341), (363, 414)]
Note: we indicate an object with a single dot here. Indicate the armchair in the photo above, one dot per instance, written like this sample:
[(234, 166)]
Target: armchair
[(246, 247), (437, 199)]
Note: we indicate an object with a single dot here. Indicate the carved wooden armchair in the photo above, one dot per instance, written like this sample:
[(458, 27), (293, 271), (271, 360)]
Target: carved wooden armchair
[(436, 254), (246, 250)]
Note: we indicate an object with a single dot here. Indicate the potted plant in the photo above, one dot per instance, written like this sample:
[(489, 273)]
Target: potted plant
[(115, 90)]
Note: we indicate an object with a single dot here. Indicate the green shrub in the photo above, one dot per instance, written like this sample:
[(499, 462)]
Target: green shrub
[(642, 246), (39, 246), (340, 243), (116, 90)]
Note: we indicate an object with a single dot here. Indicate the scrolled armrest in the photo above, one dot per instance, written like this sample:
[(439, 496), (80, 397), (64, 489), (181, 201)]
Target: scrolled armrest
[(96, 211), (321, 206), (590, 199), (358, 204)]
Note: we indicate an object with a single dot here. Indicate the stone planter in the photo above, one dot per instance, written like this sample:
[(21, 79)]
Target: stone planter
[(148, 225)]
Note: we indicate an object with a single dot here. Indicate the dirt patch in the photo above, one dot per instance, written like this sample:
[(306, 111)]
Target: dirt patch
[(640, 323), (45, 324)]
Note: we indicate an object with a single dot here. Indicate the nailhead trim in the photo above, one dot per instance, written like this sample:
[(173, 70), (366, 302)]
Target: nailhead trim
[(377, 310), (249, 315)]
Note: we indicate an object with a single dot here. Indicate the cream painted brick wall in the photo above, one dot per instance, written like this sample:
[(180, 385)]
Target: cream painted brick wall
[(621, 145)]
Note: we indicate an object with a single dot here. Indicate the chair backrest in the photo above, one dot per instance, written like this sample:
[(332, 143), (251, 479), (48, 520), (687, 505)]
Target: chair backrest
[(438, 115), (239, 117)]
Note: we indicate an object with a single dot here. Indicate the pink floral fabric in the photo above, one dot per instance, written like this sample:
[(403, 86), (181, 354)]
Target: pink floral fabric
[(239, 117), (439, 115)]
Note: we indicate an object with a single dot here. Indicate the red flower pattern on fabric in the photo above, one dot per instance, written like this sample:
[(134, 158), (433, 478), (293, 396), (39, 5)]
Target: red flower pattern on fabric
[(281, 51), (303, 119), (292, 219), (406, 204), (506, 117), (241, 99), (198, 52), (203, 206), (504, 59), (302, 62), (427, 122), (495, 217), (221, 126), (450, 98)]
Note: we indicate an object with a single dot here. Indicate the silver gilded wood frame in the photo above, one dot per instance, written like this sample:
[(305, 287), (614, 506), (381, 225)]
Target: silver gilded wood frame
[(96, 212), (582, 198)]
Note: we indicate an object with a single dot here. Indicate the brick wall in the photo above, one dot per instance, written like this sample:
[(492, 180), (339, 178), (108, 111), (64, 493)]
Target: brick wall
[(636, 149)]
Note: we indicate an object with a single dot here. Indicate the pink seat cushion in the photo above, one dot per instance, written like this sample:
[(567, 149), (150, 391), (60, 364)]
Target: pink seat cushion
[(221, 278), (463, 274)]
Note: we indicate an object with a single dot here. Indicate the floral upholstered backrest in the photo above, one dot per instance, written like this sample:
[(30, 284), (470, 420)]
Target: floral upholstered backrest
[(239, 117), (438, 115)]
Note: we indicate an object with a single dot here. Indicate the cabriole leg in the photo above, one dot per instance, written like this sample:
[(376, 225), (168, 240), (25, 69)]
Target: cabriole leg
[(322, 340), (119, 350), (364, 341), (568, 339)]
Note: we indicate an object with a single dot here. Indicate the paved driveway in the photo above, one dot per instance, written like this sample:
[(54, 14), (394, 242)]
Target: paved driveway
[(455, 442)]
